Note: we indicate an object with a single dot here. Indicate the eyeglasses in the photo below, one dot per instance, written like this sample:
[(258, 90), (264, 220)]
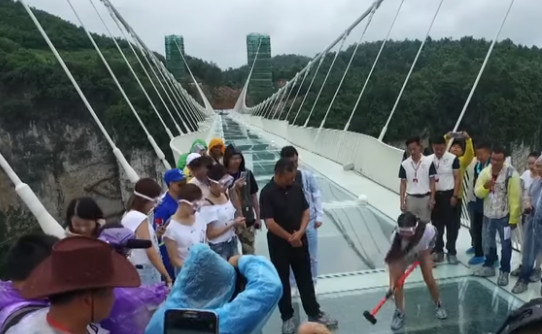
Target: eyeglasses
[(407, 231), (157, 200), (195, 205), (226, 181)]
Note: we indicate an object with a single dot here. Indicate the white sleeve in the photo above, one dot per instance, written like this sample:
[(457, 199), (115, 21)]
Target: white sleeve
[(170, 233), (208, 214), (429, 237)]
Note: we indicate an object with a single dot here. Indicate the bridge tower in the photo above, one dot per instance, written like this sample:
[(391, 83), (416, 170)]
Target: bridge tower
[(174, 62), (261, 83)]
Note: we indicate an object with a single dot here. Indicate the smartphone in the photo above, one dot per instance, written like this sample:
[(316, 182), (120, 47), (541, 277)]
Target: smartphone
[(243, 175), (456, 135), (190, 321)]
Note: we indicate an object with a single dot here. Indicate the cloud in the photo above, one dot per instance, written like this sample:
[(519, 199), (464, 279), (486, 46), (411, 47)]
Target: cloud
[(216, 30)]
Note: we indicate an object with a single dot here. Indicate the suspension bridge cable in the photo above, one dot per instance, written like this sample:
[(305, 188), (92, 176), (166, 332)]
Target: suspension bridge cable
[(369, 20), (183, 95), (145, 53), (288, 96), (48, 224), (194, 105), (269, 104), (309, 89), (489, 52), (274, 109), (176, 105), (240, 104), (178, 94), (114, 18), (325, 79), (150, 138), (282, 104), (205, 101), (347, 125), (385, 128), (338, 39), (299, 89), (286, 88), (273, 104), (134, 74), (163, 84), (261, 107), (130, 172)]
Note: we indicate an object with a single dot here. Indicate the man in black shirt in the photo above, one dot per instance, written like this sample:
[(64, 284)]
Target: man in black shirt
[(286, 214)]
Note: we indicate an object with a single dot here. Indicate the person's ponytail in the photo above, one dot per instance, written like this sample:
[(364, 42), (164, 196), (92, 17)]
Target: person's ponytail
[(397, 252), (394, 253)]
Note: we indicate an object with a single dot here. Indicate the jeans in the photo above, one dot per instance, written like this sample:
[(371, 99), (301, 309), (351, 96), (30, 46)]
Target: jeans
[(312, 240), (283, 256), (444, 217), (490, 229), (148, 274), (532, 245), (226, 249), (476, 229)]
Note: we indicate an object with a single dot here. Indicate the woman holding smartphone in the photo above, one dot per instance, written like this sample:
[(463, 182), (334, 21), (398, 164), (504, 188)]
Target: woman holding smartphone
[(247, 204), (148, 262), (186, 228), (220, 213)]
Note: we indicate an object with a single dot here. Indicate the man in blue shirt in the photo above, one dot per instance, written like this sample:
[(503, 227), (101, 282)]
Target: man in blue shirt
[(174, 179)]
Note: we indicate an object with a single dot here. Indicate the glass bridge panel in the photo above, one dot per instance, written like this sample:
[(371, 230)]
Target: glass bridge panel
[(473, 306), (354, 238)]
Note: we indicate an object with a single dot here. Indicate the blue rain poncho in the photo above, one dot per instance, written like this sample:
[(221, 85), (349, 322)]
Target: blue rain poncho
[(207, 282)]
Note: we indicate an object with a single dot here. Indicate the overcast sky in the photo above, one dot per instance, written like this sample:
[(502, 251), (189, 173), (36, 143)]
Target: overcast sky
[(215, 30)]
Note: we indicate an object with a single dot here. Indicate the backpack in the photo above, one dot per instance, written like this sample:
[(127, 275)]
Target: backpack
[(15, 317)]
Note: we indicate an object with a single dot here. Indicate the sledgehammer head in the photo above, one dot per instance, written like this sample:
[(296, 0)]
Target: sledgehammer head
[(369, 317)]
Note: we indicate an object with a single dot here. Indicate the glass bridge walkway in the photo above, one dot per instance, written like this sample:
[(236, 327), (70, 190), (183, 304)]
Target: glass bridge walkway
[(352, 276)]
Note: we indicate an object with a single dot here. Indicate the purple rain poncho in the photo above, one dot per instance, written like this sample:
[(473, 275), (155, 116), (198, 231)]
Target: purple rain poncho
[(132, 310)]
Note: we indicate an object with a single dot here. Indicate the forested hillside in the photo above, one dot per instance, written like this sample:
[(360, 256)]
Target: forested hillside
[(506, 106)]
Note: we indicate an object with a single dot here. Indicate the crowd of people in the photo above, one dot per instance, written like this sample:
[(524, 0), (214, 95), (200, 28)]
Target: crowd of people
[(498, 201), (193, 246), (170, 249)]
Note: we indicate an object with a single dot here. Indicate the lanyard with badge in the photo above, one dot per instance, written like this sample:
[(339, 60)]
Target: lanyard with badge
[(416, 167), (436, 163)]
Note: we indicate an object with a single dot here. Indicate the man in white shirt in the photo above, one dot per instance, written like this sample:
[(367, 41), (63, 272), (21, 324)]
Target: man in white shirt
[(448, 186), (417, 189)]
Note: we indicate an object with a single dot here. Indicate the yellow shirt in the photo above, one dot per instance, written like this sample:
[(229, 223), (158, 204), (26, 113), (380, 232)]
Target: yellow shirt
[(464, 160)]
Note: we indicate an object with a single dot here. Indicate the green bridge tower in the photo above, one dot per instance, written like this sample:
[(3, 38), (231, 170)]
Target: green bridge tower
[(261, 83), (174, 62)]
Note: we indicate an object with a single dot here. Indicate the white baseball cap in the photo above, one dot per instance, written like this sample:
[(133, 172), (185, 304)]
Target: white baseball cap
[(191, 157)]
